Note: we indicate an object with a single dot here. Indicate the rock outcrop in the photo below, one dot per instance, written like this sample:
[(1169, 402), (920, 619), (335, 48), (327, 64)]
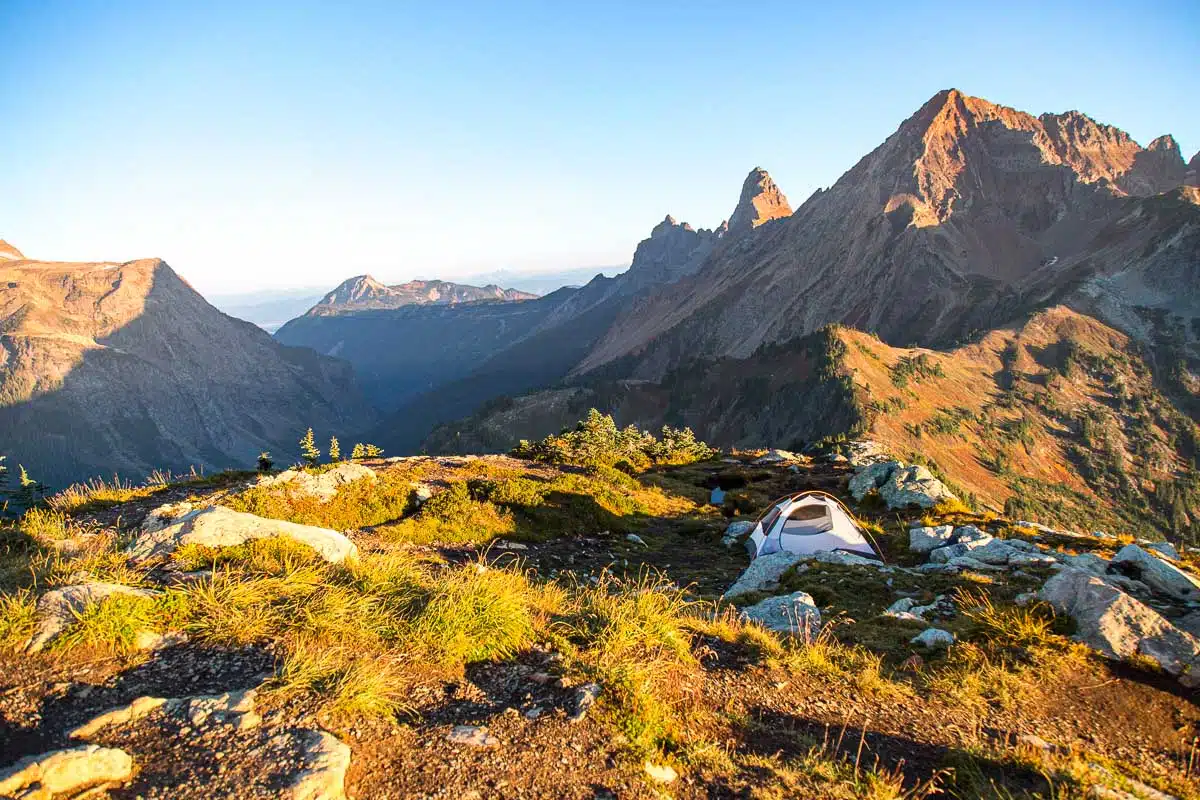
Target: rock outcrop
[(795, 614), (322, 485), (900, 485), (761, 201), (66, 773), (1159, 575), (172, 527), (58, 609), (1120, 627)]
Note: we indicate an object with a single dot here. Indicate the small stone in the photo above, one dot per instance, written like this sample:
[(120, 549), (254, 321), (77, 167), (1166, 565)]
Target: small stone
[(661, 773), (934, 639), (472, 735), (633, 537), (584, 699)]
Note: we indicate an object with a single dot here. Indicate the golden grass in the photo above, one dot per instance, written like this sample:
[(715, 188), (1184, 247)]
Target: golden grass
[(360, 504)]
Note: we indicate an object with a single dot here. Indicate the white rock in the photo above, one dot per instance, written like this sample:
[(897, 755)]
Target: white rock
[(217, 526), (901, 605), (141, 707), (661, 773), (324, 485), (1159, 575), (57, 610), (846, 558), (871, 477), (913, 486), (65, 772), (776, 457), (966, 534), (943, 554), (1119, 626), (763, 574), (325, 759), (934, 638), (795, 613), (922, 540)]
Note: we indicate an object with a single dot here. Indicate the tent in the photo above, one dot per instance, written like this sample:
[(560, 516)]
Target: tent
[(807, 523)]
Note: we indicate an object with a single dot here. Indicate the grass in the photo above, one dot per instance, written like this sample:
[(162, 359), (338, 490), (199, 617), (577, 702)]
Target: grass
[(17, 615), (112, 625), (359, 504), (98, 493)]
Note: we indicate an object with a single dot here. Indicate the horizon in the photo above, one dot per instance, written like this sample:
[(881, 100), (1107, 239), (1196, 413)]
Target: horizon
[(456, 142)]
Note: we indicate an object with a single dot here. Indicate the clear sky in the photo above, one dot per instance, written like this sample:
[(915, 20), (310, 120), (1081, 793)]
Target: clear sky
[(259, 144)]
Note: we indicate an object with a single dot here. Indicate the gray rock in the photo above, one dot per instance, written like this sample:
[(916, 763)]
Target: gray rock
[(585, 698), (1188, 623), (901, 606), (1119, 626), (1163, 548), (922, 540), (776, 457), (871, 477), (795, 613), (763, 574), (959, 563), (472, 736), (966, 534), (57, 610), (739, 528), (633, 537), (943, 554), (65, 772), (933, 639), (324, 486), (1088, 562), (846, 558), (913, 486), (1159, 575), (217, 526)]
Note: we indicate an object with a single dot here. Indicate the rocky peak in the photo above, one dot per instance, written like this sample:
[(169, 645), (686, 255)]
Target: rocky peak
[(9, 253), (355, 290), (364, 292), (1192, 175), (673, 250), (761, 201)]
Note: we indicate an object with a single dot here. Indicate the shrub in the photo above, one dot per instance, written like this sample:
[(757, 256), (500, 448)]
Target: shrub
[(335, 450), (596, 441)]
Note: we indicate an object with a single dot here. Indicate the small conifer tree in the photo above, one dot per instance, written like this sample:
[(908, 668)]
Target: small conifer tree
[(31, 490), (264, 462), (358, 452), (308, 449), (335, 450), (373, 451)]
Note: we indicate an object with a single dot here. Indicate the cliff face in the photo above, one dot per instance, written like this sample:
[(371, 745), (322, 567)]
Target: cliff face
[(964, 218), (123, 369)]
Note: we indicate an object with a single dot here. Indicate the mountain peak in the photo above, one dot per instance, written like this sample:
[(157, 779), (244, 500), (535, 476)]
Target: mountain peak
[(761, 201), (9, 253), (363, 292)]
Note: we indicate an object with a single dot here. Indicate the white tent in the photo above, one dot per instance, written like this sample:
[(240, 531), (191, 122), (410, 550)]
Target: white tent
[(807, 523)]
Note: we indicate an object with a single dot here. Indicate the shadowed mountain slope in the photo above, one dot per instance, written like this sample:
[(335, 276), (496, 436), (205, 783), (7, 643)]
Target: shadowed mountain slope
[(124, 368)]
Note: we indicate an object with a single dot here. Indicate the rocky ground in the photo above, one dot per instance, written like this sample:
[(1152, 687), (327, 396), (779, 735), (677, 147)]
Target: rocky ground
[(1064, 670)]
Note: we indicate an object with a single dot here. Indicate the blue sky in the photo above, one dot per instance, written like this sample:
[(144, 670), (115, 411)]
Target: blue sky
[(288, 144)]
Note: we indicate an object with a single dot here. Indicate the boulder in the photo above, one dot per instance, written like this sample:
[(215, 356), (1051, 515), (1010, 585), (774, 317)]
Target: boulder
[(1163, 548), (913, 486), (922, 540), (57, 610), (65, 772), (763, 574), (871, 477), (1159, 575), (943, 554), (217, 526), (1119, 626), (846, 558), (230, 708), (322, 485), (774, 456), (1087, 562), (794, 613), (933, 639), (735, 531)]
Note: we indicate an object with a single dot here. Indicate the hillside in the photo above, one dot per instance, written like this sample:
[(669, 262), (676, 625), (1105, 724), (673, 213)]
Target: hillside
[(460, 627), (1058, 420), (124, 369)]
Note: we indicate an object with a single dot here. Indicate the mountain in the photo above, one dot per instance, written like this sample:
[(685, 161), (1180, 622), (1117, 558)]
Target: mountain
[(968, 215), (1058, 419), (9, 253), (124, 368), (364, 293), (542, 282)]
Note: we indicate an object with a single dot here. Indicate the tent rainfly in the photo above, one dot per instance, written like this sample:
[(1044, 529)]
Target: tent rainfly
[(807, 522)]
